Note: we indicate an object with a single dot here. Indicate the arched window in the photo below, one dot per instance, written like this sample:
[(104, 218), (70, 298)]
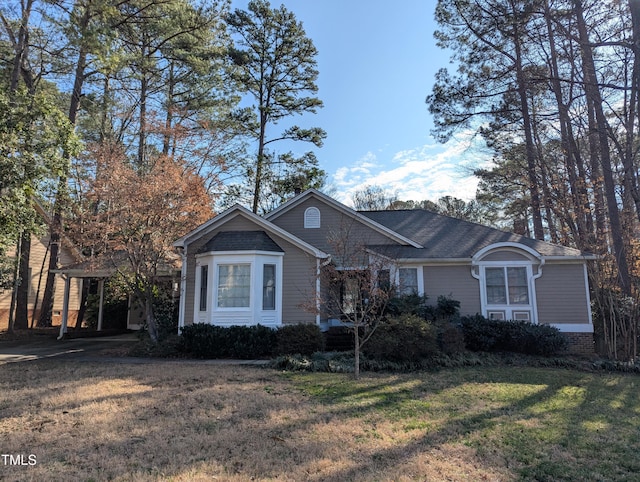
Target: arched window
[(312, 218), (507, 274)]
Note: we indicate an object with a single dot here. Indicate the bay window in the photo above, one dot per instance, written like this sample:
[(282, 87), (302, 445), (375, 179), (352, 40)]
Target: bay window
[(238, 288)]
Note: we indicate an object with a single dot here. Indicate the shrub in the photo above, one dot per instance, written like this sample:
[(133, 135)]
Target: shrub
[(414, 304), (482, 334), (302, 338), (402, 338), (447, 307), (409, 304), (202, 340), (451, 338)]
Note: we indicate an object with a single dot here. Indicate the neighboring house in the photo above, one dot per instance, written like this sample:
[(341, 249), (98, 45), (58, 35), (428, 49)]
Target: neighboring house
[(100, 268), (242, 269), (38, 266)]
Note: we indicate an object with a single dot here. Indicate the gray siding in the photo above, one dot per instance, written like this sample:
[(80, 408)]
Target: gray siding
[(562, 295), (454, 281), (299, 284), (333, 224)]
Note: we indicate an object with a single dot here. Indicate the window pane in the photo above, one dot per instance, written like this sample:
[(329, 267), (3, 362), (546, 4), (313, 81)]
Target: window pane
[(234, 285), (269, 287), (496, 290), (408, 280), (518, 287), (204, 280)]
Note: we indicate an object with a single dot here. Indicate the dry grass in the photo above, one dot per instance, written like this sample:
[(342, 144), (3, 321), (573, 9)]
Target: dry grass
[(187, 421)]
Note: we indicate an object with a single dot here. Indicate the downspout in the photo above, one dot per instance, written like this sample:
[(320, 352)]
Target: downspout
[(534, 301), (588, 293), (183, 287)]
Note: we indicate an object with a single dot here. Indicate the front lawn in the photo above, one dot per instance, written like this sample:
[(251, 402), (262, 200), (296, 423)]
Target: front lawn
[(189, 421)]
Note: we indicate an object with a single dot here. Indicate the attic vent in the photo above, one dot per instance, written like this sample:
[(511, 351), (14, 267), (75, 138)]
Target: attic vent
[(312, 218)]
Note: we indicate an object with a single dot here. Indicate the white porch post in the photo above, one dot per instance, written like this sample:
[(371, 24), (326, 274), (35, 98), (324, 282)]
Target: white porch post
[(100, 306), (65, 307)]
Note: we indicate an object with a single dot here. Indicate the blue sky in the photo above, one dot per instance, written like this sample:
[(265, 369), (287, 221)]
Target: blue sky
[(377, 62)]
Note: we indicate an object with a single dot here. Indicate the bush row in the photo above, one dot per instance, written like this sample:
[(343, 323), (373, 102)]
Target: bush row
[(400, 339), (481, 334), (202, 340), (411, 338), (343, 362)]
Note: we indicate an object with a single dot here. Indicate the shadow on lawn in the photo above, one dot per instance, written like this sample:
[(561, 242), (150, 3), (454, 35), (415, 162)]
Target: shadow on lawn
[(248, 422), (566, 430)]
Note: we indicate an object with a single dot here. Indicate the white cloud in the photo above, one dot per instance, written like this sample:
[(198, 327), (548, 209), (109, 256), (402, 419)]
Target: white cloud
[(427, 172)]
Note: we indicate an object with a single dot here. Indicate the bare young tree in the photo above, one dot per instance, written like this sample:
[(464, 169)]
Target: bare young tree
[(357, 284)]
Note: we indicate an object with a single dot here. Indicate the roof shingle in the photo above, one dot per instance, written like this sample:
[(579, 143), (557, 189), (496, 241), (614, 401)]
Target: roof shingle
[(241, 241), (446, 237)]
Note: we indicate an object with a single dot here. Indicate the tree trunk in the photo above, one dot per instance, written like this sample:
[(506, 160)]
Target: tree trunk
[(168, 123), (21, 47), (356, 352), (152, 326), (16, 284), (259, 164), (142, 136), (538, 230), (630, 173), (83, 303), (55, 226), (49, 288), (594, 98), (22, 296), (579, 197)]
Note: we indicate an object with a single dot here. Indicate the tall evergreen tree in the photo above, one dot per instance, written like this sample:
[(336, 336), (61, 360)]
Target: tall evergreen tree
[(276, 66)]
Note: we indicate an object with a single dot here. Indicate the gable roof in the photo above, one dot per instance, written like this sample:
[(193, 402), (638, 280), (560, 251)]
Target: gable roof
[(266, 225), (367, 221), (444, 237)]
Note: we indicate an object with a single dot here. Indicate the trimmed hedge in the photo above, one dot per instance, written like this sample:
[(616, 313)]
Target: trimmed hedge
[(482, 334), (402, 338), (202, 340), (303, 338)]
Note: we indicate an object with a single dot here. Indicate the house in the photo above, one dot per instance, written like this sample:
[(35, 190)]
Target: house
[(38, 266), (243, 269)]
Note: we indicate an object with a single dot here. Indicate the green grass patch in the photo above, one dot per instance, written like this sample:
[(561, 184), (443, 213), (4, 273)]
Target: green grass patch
[(544, 424)]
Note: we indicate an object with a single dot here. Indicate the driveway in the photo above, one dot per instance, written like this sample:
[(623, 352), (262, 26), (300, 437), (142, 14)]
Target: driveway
[(110, 349), (77, 348)]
